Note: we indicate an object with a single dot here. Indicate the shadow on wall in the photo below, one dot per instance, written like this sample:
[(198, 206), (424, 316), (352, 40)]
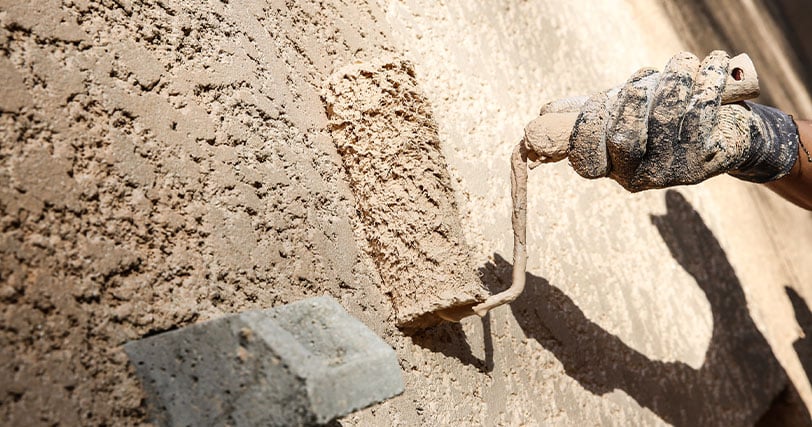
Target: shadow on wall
[(776, 34), (783, 411), (739, 365), (803, 346), (794, 17), (449, 339)]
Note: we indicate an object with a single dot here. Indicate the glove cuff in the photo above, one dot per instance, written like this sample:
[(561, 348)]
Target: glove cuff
[(773, 148)]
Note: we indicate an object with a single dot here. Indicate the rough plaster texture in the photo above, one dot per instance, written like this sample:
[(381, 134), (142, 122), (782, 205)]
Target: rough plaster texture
[(303, 363), (384, 130), (166, 163)]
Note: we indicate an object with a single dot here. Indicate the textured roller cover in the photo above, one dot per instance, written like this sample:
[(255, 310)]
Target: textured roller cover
[(384, 130)]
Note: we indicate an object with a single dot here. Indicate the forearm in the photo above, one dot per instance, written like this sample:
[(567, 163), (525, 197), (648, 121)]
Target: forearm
[(797, 185)]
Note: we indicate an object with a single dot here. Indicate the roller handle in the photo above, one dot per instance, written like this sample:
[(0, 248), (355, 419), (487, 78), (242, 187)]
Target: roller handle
[(547, 137)]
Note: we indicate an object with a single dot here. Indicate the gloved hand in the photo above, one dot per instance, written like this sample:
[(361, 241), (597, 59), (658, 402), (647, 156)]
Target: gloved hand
[(669, 128)]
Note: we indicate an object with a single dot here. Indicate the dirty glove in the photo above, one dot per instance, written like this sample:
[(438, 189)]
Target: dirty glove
[(669, 128)]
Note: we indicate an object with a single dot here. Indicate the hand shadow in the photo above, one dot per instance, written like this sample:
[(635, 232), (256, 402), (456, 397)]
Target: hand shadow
[(739, 371)]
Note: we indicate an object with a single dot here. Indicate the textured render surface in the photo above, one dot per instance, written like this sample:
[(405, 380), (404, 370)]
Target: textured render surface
[(299, 364), (384, 130), (167, 163)]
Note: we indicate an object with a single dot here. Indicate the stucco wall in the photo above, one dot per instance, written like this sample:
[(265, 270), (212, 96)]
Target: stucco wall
[(165, 163)]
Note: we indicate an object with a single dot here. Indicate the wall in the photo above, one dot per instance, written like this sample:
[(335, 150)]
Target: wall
[(165, 163)]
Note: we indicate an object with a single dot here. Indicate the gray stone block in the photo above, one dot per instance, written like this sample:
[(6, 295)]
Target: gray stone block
[(303, 363)]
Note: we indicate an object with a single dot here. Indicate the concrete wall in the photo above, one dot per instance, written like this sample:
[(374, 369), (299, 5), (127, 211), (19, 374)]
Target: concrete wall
[(165, 163)]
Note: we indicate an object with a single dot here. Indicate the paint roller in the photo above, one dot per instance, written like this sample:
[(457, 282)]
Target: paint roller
[(547, 140), (383, 129)]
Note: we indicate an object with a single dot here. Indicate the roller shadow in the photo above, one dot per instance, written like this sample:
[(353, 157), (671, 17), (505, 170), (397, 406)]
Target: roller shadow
[(739, 370), (449, 339)]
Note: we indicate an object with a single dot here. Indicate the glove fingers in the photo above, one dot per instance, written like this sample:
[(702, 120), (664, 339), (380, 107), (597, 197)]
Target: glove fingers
[(587, 150), (670, 128), (628, 124), (700, 118), (665, 159), (565, 105)]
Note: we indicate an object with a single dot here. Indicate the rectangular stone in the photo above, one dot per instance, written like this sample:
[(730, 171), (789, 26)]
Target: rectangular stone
[(303, 363)]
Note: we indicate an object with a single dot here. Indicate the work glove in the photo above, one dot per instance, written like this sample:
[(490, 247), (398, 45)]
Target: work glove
[(670, 128)]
